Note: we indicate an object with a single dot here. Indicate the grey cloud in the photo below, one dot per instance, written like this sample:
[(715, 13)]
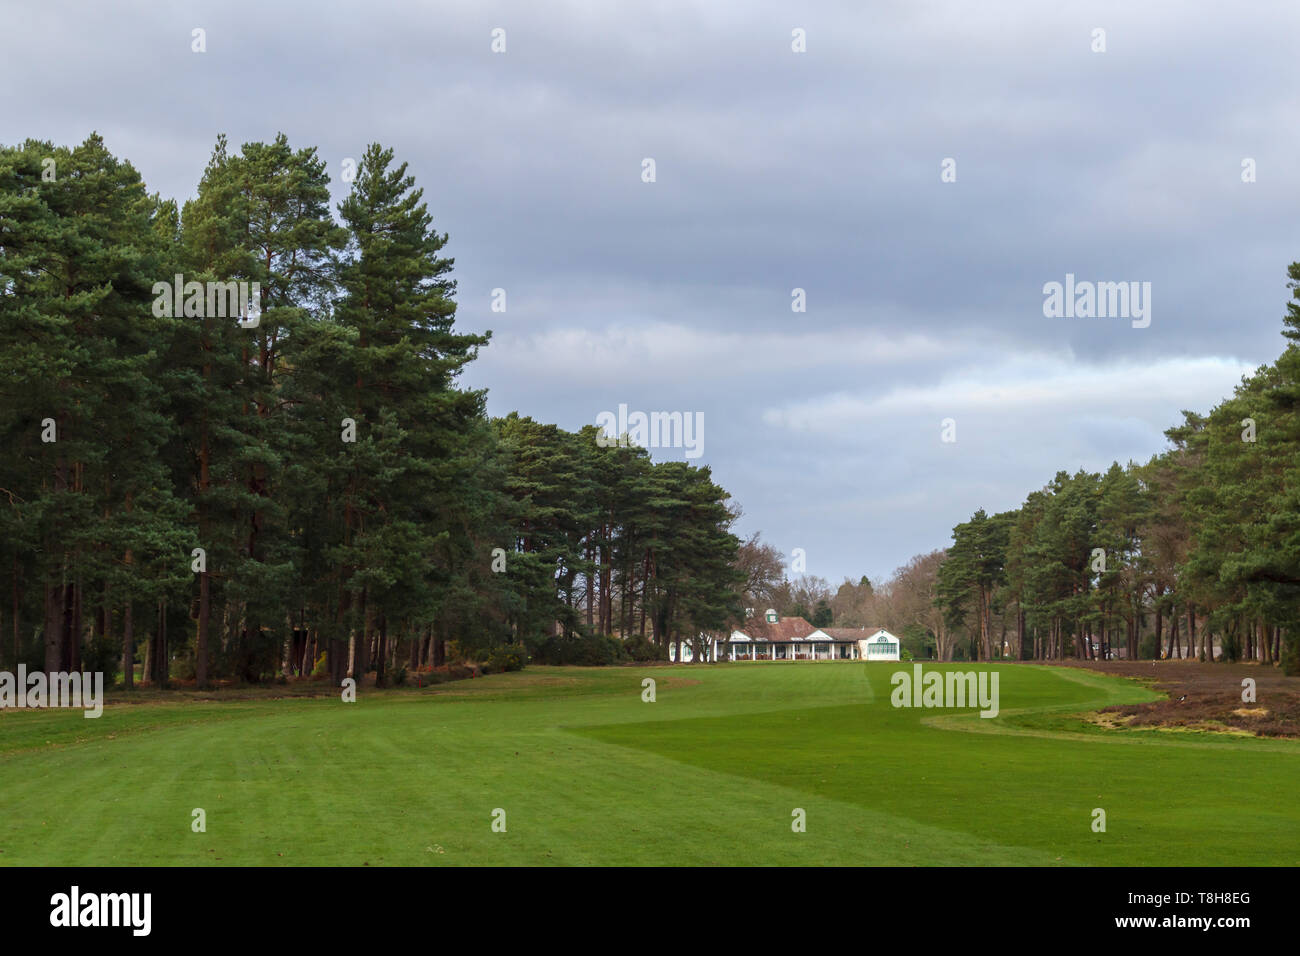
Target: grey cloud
[(775, 170)]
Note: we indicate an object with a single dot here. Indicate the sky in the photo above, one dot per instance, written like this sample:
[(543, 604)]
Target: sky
[(920, 170)]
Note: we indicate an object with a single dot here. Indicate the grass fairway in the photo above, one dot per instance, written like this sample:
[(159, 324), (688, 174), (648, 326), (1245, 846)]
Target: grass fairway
[(589, 774)]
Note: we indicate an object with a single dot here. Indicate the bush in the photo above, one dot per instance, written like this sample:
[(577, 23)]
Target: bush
[(507, 657), (584, 650), (441, 675), (643, 650), (918, 642), (1290, 653), (1149, 647)]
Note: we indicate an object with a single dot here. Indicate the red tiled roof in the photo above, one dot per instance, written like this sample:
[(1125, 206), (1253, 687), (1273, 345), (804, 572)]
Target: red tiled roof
[(788, 629), (851, 633), (785, 629)]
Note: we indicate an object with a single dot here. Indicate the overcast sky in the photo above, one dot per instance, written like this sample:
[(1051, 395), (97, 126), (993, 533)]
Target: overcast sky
[(774, 170)]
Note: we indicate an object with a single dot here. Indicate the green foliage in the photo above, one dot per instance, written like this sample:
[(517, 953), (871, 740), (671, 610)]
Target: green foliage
[(973, 570), (588, 650), (337, 478), (823, 617), (641, 650), (917, 642), (507, 657), (1291, 654), (102, 654), (1203, 540)]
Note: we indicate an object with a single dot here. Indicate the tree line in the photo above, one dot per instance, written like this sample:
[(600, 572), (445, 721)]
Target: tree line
[(1195, 553), (237, 446)]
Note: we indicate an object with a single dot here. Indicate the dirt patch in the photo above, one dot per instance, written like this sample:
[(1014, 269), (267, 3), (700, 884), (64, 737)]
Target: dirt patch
[(1205, 697)]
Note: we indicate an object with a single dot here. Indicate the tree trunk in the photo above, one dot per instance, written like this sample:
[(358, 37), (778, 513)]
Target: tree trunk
[(106, 615), (381, 655), (591, 587), (440, 644), (74, 629), (201, 642), (645, 580), (361, 642), (128, 646), (17, 603), (146, 672), (53, 627), (286, 663), (606, 604), (336, 658), (205, 480), (160, 659)]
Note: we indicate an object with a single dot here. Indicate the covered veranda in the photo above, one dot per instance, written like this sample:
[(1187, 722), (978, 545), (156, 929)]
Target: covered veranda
[(743, 648)]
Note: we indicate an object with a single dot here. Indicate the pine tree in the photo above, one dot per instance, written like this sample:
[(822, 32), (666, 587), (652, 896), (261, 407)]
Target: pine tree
[(419, 436)]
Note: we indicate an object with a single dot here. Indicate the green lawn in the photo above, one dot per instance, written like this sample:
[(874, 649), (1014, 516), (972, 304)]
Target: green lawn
[(588, 773)]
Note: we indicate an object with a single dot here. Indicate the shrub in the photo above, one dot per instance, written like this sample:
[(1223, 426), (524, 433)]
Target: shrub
[(1290, 653), (585, 650), (507, 657), (643, 650), (441, 675)]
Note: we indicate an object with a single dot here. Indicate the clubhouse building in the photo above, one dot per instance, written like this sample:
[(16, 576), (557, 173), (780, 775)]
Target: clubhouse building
[(773, 638)]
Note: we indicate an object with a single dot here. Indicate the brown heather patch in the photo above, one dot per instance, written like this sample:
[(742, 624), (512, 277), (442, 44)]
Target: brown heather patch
[(1213, 697)]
